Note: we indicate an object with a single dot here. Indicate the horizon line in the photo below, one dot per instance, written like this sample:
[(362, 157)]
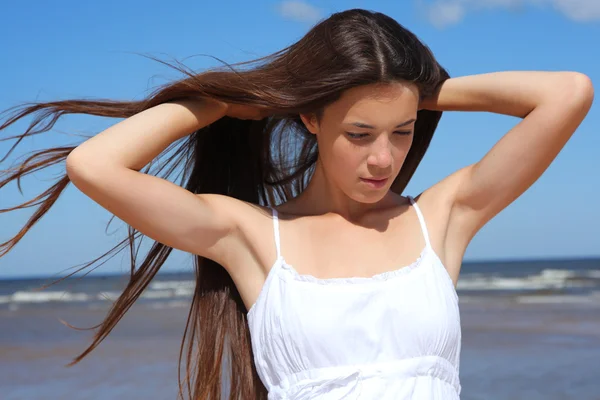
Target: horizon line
[(470, 261)]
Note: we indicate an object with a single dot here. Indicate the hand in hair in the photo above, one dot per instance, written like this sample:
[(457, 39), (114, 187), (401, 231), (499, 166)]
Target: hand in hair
[(243, 111)]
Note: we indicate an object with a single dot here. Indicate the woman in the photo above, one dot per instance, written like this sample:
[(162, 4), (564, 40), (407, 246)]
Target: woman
[(326, 282)]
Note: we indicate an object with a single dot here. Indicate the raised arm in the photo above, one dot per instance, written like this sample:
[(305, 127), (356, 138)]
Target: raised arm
[(552, 105), (106, 167)]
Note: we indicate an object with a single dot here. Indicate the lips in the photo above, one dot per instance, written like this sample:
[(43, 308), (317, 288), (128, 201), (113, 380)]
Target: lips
[(375, 183)]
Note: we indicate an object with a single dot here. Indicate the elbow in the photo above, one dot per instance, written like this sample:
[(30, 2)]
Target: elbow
[(81, 167), (75, 167), (573, 93), (583, 90)]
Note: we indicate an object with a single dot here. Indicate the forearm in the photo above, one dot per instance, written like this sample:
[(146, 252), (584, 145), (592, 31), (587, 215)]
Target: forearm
[(513, 93), (135, 141)]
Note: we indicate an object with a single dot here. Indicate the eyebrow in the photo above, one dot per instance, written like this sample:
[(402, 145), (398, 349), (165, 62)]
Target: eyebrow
[(367, 126)]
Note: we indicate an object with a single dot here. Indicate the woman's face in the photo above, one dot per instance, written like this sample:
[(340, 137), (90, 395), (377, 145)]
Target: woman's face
[(364, 135)]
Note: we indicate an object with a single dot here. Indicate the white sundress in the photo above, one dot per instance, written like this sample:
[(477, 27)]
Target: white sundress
[(395, 335)]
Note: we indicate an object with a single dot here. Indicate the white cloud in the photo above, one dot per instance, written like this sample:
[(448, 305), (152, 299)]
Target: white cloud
[(299, 11), (443, 13), (579, 10)]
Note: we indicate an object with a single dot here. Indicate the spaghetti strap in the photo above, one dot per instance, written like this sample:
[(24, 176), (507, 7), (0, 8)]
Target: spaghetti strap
[(276, 232), (422, 221)]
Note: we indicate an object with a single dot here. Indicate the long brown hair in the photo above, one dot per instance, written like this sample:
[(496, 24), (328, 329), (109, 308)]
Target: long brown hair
[(265, 162)]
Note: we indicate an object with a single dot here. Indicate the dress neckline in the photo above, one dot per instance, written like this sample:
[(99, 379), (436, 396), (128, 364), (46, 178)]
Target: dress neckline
[(287, 271), (380, 277)]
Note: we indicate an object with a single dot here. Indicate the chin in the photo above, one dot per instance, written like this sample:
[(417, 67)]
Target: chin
[(370, 198)]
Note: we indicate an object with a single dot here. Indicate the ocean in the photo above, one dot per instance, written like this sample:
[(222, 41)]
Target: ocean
[(531, 330)]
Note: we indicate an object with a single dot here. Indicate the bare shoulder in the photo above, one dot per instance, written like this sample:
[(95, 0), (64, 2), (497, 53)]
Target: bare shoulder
[(250, 226), (438, 207)]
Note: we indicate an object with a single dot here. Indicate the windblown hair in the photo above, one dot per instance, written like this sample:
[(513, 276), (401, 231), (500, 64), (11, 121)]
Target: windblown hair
[(265, 162)]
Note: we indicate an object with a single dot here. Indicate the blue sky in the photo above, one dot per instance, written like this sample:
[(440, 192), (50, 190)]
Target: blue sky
[(73, 49)]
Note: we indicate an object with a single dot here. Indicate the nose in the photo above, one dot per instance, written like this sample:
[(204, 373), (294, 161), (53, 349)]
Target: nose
[(381, 154)]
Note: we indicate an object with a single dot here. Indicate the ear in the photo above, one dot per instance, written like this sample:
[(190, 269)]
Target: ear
[(311, 123)]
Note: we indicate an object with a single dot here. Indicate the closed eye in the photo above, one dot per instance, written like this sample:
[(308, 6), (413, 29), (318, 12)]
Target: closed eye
[(362, 135)]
